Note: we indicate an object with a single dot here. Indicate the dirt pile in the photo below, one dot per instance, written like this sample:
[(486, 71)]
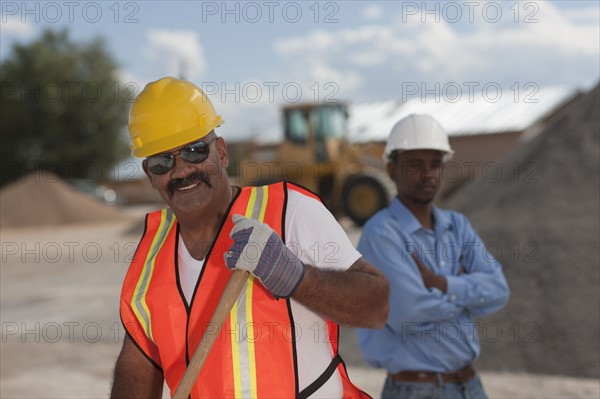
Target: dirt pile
[(43, 199), (541, 218)]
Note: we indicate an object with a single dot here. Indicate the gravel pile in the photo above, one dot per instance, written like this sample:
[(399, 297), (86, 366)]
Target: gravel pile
[(541, 217), (43, 199)]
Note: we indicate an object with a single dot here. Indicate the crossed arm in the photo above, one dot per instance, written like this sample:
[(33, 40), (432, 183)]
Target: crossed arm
[(419, 295)]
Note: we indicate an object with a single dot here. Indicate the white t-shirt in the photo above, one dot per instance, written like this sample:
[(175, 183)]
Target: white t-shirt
[(322, 243)]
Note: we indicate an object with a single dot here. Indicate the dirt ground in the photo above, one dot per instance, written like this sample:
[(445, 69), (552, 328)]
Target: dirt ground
[(61, 331)]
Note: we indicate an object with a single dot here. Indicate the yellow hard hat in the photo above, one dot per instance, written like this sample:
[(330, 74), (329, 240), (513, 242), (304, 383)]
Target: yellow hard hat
[(169, 113)]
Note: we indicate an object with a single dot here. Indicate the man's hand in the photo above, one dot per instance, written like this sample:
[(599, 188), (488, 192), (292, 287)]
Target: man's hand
[(430, 279), (259, 250)]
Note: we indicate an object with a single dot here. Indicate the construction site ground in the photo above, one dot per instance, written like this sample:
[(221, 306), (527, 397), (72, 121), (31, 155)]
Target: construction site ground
[(60, 325)]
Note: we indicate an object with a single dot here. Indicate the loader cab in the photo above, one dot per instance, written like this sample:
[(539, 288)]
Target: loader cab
[(317, 155), (314, 125)]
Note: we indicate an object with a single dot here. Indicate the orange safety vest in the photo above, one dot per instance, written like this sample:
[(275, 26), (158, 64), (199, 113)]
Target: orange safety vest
[(255, 353)]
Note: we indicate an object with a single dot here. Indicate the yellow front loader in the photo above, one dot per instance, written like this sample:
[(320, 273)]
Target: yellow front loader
[(316, 154)]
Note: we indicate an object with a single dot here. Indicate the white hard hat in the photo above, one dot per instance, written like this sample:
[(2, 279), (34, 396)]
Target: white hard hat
[(418, 132)]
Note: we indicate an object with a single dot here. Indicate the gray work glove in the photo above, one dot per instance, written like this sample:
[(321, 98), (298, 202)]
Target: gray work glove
[(258, 249)]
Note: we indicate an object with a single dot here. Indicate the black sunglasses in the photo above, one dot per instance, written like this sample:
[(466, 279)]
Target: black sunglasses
[(196, 152)]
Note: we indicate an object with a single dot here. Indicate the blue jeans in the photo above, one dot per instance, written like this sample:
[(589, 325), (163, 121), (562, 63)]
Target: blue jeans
[(417, 390)]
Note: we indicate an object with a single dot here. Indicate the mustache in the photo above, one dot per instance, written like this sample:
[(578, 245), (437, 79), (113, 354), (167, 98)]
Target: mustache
[(196, 177)]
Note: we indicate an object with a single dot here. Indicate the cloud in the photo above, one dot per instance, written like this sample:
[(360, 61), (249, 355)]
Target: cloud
[(260, 121), (367, 58), (373, 60), (333, 57), (587, 15), (553, 50), (372, 12), (316, 41), (178, 52), (126, 76), (11, 25)]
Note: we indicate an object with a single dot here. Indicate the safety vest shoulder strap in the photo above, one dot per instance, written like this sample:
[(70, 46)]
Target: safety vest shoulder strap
[(302, 190), (135, 313)]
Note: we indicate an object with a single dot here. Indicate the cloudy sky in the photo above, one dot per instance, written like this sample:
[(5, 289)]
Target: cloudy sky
[(254, 57)]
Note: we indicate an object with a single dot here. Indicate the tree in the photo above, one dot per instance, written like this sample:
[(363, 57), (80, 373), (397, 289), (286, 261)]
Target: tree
[(62, 109)]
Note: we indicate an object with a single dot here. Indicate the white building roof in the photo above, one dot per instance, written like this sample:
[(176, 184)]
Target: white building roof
[(465, 116)]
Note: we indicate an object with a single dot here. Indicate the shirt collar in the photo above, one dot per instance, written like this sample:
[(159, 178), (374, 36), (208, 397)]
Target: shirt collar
[(409, 222), (441, 220)]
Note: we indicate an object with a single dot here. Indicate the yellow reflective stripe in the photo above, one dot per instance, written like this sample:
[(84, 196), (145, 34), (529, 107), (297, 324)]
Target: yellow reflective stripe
[(250, 339), (233, 318), (249, 316), (235, 353), (138, 301), (240, 318), (251, 203)]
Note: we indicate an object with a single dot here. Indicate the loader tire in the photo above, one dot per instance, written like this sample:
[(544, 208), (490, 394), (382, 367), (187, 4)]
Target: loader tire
[(363, 195)]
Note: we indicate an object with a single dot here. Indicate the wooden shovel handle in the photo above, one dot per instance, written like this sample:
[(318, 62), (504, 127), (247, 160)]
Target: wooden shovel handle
[(232, 291)]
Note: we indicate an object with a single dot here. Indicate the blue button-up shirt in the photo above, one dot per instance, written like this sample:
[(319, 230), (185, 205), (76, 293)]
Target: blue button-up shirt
[(429, 330)]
